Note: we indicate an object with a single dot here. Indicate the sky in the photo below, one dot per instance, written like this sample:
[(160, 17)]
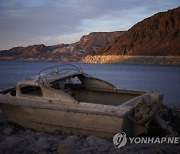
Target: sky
[(50, 22)]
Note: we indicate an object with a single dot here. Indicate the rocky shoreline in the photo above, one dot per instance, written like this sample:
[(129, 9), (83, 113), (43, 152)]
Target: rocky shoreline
[(145, 60), (113, 59), (15, 139)]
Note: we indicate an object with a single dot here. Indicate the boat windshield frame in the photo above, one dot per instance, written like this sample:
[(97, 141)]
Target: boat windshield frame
[(60, 68), (59, 71)]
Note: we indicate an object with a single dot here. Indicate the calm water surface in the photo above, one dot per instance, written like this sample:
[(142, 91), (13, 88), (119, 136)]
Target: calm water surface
[(162, 79)]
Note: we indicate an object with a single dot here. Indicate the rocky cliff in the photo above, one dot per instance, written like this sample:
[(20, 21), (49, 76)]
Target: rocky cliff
[(158, 35), (95, 40), (62, 52)]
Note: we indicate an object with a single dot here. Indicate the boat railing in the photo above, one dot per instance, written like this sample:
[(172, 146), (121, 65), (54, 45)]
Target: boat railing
[(60, 70)]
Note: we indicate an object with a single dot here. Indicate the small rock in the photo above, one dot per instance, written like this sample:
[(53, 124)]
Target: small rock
[(70, 145), (40, 134), (30, 139), (72, 138), (85, 151), (28, 132), (67, 148), (53, 140), (85, 144), (98, 142), (40, 146), (8, 131)]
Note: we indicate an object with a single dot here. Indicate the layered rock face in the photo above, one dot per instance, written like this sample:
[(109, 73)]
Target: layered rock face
[(158, 35)]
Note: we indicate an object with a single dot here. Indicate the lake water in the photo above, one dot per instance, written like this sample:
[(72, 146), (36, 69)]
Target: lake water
[(161, 79)]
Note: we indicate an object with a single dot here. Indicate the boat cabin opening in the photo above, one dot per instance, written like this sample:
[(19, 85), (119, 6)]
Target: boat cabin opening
[(30, 90)]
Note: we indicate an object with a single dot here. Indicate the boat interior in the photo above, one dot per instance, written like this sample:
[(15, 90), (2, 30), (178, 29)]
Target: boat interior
[(92, 90)]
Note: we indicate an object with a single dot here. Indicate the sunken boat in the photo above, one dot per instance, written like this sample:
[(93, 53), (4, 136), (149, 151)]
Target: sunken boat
[(66, 99)]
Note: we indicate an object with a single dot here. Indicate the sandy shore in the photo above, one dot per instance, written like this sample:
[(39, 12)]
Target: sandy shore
[(15, 139), (147, 60)]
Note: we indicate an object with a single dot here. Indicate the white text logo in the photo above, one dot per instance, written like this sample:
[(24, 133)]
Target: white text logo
[(120, 140)]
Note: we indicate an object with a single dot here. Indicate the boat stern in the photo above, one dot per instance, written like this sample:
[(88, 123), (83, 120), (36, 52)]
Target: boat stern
[(144, 109)]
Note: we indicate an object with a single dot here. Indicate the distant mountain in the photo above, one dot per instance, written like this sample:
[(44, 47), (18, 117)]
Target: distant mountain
[(158, 35), (62, 52)]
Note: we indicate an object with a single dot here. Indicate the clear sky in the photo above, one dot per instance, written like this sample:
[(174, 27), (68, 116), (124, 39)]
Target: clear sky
[(28, 22)]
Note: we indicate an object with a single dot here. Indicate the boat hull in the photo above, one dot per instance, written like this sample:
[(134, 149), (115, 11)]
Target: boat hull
[(69, 121)]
